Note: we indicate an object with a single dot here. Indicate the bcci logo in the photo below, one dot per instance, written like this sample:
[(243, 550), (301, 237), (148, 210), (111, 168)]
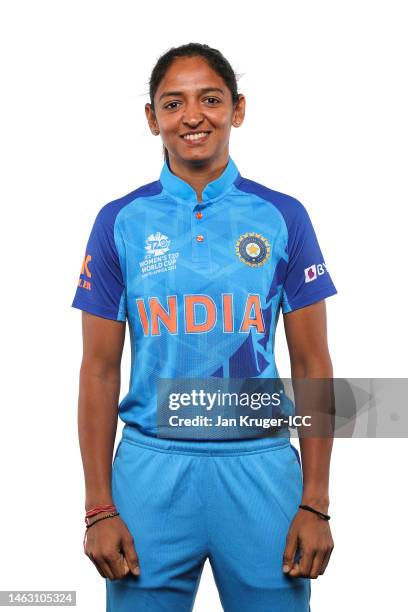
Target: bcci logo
[(156, 244), (253, 249)]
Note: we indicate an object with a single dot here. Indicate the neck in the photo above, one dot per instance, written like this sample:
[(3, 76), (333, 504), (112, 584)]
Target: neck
[(198, 174)]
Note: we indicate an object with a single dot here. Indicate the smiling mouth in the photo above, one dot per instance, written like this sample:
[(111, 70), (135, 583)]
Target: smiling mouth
[(196, 136)]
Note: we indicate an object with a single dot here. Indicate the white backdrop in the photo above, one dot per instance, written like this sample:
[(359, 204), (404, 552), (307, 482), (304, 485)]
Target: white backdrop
[(326, 122)]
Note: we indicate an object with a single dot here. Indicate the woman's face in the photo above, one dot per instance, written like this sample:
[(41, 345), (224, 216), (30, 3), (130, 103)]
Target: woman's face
[(193, 99)]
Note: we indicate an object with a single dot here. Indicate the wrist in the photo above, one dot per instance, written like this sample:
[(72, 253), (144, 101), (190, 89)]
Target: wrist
[(89, 521), (319, 502), (98, 512), (100, 500)]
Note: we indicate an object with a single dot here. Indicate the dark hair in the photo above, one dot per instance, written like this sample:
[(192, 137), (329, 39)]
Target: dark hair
[(213, 57)]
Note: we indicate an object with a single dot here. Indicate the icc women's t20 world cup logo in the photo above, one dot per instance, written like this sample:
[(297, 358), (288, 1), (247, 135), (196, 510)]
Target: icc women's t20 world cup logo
[(157, 257), (156, 244)]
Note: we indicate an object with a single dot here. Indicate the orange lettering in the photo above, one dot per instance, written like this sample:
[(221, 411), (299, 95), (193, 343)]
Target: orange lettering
[(143, 315), (191, 325), (257, 321), (169, 319), (85, 269), (227, 312)]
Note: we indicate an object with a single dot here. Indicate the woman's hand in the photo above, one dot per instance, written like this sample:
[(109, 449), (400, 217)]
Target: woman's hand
[(312, 535), (110, 546)]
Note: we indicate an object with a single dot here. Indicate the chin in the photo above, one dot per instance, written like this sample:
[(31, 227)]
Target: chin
[(197, 157)]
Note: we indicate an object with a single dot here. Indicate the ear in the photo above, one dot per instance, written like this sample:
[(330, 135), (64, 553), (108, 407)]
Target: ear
[(238, 114), (151, 119)]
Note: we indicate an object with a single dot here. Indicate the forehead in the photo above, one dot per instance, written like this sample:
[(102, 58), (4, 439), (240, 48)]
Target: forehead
[(190, 73)]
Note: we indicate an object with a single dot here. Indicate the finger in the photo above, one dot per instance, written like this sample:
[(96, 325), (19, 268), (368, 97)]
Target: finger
[(303, 567), (317, 564), (289, 552), (296, 565), (306, 561), (131, 557), (117, 564), (326, 561), (101, 567), (295, 571), (126, 569)]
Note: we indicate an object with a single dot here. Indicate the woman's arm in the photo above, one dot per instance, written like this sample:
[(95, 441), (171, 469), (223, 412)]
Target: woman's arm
[(108, 544), (99, 388), (306, 334)]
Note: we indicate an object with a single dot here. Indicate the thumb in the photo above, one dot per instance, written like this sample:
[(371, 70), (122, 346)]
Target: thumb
[(131, 557), (290, 551)]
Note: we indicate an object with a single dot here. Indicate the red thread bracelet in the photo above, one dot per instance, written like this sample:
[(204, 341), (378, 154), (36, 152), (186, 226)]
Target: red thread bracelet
[(99, 509)]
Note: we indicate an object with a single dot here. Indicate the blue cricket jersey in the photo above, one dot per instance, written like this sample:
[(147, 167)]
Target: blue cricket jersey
[(201, 284)]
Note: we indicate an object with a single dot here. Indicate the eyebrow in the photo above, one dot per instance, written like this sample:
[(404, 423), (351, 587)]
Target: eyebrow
[(180, 93)]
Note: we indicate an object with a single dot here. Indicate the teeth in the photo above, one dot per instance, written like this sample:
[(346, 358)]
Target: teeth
[(195, 136)]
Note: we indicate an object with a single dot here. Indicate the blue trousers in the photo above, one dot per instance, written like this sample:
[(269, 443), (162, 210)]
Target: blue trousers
[(185, 501)]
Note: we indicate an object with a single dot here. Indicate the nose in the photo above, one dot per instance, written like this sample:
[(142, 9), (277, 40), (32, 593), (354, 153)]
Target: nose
[(192, 114)]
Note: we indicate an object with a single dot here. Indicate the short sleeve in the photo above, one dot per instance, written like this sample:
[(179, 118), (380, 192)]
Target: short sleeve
[(307, 277), (101, 288)]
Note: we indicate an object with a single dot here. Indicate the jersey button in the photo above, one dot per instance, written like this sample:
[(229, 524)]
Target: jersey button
[(200, 238), (199, 215)]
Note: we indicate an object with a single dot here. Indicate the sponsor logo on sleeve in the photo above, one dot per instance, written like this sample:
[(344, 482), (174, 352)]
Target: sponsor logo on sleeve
[(314, 271), (85, 272)]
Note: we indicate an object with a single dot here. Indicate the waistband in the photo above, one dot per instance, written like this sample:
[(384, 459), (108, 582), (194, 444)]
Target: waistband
[(203, 447)]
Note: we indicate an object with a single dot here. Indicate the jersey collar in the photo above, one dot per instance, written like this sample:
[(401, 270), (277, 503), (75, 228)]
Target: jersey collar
[(180, 189)]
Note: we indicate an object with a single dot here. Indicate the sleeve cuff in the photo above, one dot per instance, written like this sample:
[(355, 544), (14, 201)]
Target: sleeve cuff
[(312, 298), (98, 310)]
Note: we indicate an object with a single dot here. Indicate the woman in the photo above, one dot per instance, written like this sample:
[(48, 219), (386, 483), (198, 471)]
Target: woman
[(200, 262)]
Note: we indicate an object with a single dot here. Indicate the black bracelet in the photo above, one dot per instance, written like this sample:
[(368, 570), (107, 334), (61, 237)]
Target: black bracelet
[(102, 519), (326, 517)]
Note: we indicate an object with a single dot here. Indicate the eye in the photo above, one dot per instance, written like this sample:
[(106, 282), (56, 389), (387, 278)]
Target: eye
[(170, 107), (214, 101)]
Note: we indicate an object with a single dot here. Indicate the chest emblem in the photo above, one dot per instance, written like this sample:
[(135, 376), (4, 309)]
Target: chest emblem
[(156, 244), (253, 249), (158, 257)]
